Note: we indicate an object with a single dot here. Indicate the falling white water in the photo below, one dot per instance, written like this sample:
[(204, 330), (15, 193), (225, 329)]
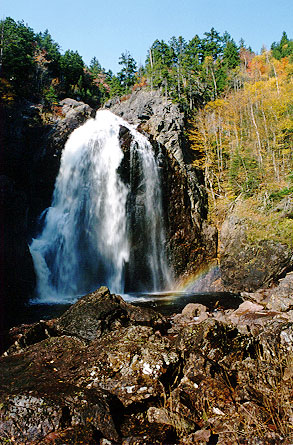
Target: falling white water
[(86, 239)]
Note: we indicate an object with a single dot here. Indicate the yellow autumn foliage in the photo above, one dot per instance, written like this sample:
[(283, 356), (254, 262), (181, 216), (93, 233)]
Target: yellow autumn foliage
[(244, 141)]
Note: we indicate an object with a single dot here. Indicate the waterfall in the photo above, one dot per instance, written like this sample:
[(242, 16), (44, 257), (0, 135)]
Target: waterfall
[(102, 229)]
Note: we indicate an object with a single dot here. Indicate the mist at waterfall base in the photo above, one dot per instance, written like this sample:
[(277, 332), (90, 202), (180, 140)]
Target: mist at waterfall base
[(105, 225)]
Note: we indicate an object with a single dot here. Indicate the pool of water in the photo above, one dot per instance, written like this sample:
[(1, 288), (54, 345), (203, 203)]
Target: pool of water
[(166, 303)]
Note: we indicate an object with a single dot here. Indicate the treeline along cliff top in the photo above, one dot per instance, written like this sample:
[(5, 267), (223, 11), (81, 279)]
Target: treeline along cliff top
[(192, 73)]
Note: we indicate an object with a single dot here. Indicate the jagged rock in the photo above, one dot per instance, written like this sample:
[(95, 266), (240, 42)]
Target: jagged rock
[(280, 298), (226, 374), (23, 336), (162, 415), (157, 116), (33, 415), (101, 312), (151, 387), (36, 397), (75, 113), (190, 240), (130, 363)]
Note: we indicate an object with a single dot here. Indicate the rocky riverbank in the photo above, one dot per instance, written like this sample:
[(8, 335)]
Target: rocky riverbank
[(108, 372)]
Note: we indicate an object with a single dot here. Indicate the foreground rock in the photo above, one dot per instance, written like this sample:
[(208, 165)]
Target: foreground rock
[(108, 372)]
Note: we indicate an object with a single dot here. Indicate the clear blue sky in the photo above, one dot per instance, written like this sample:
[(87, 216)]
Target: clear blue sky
[(107, 28)]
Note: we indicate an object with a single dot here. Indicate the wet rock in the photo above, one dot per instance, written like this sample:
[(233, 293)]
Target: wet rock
[(100, 312), (38, 395), (191, 241), (23, 336), (32, 416)]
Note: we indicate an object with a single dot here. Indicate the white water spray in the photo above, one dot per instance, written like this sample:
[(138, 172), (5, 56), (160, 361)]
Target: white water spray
[(86, 240)]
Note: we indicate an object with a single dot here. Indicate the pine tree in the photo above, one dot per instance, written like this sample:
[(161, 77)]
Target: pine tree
[(127, 73), (18, 66)]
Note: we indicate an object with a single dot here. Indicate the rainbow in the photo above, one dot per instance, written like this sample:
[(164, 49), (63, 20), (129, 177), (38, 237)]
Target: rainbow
[(200, 281)]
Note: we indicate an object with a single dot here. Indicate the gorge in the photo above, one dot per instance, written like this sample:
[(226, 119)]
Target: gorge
[(105, 371)]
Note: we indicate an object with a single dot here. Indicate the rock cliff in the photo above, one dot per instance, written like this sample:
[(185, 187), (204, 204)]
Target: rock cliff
[(191, 242), (252, 253), (31, 146)]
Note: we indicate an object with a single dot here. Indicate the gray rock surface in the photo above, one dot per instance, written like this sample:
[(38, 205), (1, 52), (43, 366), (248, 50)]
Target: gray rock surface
[(157, 116), (248, 266), (191, 241)]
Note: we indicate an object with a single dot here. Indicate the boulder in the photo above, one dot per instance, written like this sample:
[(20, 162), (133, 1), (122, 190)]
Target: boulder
[(100, 312), (246, 265)]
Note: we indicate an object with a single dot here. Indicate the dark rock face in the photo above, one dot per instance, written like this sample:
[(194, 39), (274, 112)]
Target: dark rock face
[(104, 372), (47, 161), (17, 124), (190, 241), (17, 273), (247, 266), (30, 157)]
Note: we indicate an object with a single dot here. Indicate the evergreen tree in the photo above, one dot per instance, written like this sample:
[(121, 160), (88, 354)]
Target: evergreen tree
[(191, 55), (230, 52), (52, 50), (127, 73), (17, 56), (72, 67), (116, 89), (284, 48), (95, 67), (158, 64), (211, 45)]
